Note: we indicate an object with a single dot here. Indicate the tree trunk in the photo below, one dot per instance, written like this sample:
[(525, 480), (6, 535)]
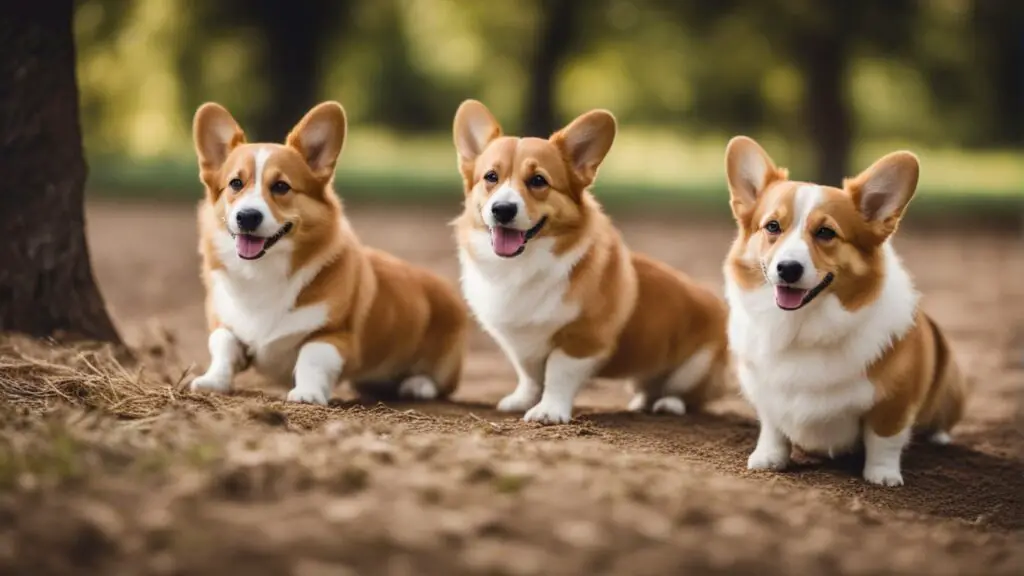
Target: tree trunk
[(296, 35), (46, 282), (824, 57), (999, 38), (554, 44)]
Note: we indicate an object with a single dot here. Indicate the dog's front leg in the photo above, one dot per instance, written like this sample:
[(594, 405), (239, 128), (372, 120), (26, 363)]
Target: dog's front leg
[(317, 370), (773, 448), (227, 357), (530, 372), (563, 377), (882, 456)]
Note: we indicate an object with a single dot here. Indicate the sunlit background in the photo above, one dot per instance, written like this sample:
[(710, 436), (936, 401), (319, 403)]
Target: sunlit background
[(827, 87)]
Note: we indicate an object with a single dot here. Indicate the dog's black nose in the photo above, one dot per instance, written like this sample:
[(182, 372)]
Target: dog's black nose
[(504, 212), (790, 270), (249, 219)]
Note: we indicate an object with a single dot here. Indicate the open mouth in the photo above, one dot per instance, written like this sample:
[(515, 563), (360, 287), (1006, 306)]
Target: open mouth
[(790, 298), (509, 242), (251, 247)]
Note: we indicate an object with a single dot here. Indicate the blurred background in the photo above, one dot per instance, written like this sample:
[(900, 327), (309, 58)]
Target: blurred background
[(826, 86)]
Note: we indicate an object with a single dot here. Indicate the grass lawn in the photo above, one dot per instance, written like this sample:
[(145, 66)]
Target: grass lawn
[(643, 172)]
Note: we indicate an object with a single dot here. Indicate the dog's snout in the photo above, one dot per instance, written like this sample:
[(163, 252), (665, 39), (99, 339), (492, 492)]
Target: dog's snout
[(504, 212), (249, 219), (790, 271)]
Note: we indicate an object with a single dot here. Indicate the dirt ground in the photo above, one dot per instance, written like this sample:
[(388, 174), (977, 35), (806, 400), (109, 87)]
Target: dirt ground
[(127, 474)]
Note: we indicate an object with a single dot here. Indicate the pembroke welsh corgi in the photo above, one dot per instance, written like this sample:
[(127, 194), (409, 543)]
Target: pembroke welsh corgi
[(290, 289), (830, 343), (550, 279)]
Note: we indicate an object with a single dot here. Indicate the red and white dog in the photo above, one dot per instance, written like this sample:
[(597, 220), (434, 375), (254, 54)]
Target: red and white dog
[(550, 279), (291, 290), (830, 343)]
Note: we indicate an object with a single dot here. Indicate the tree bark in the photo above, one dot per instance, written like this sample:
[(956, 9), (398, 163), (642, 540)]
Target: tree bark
[(46, 281), (554, 44)]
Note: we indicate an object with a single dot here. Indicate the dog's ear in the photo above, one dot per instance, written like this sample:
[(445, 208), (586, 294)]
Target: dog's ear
[(320, 137), (584, 143), (749, 170), (883, 191), (474, 128), (215, 134)]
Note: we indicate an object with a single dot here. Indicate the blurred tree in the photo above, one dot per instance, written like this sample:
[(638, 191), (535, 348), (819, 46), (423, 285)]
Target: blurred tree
[(999, 44), (557, 39), (820, 39), (294, 37), (403, 96), (820, 44), (46, 282)]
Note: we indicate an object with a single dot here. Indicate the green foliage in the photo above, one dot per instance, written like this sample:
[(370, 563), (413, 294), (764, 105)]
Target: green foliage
[(915, 73)]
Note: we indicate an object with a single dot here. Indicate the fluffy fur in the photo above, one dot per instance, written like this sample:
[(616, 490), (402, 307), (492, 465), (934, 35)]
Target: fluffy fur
[(290, 289), (549, 278), (831, 346)]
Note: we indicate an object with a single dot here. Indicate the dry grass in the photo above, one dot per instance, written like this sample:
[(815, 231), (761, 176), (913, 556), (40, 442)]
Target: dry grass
[(39, 376), (35, 374)]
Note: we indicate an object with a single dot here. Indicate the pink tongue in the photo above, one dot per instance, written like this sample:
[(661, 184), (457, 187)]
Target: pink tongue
[(506, 241), (249, 246), (789, 298)]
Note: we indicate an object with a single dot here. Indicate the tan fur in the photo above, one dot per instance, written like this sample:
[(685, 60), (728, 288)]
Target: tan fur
[(644, 317), (917, 382), (916, 379), (387, 319)]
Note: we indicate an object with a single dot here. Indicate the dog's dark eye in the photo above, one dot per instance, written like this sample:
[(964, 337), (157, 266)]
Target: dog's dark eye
[(772, 227), (280, 187), (236, 184), (537, 181), (491, 177), (824, 233)]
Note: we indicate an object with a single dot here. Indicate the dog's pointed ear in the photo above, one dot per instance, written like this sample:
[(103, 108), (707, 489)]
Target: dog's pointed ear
[(320, 138), (749, 170), (215, 134), (585, 142), (474, 128), (883, 191)]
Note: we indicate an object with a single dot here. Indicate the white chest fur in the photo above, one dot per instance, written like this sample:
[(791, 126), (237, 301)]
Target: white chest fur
[(805, 371), (256, 300), (520, 301)]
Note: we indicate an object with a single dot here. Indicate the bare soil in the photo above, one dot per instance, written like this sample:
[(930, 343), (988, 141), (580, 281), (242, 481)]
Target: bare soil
[(108, 470)]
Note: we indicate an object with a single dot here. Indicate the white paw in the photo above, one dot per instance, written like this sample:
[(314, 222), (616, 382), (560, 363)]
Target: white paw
[(208, 383), (417, 388), (764, 459), (549, 413), (517, 402), (883, 475), (307, 396), (669, 405), (637, 403), (941, 438)]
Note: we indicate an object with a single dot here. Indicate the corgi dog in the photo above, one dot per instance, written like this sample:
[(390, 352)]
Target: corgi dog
[(830, 343), (292, 292), (549, 277)]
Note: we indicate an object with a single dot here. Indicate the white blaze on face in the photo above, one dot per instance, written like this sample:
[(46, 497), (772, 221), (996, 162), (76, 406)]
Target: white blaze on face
[(252, 199), (506, 193), (793, 244), (508, 239)]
